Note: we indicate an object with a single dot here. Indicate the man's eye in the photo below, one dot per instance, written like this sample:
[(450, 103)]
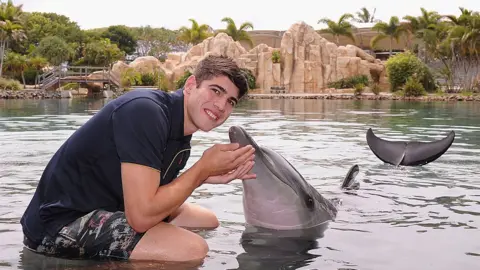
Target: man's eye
[(216, 91), (232, 103)]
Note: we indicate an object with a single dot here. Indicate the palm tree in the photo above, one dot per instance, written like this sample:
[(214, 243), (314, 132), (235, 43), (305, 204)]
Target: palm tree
[(364, 16), (392, 30), (195, 34), (239, 34), (424, 27), (37, 63), (340, 28), (463, 19), (10, 27), (16, 64), (465, 34)]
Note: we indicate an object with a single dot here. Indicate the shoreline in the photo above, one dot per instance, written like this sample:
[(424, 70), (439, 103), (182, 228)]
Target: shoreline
[(367, 96), (41, 94)]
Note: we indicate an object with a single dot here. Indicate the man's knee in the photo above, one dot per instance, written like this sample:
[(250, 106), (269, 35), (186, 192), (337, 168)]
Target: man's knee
[(209, 219), (166, 242), (194, 216)]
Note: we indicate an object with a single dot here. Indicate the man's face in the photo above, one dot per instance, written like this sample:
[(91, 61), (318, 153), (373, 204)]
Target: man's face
[(210, 104)]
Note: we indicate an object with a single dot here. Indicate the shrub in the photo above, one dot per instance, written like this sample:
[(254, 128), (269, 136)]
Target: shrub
[(349, 82), (9, 84), (149, 79), (359, 87), (29, 74), (402, 66), (252, 82), (181, 81), (413, 87), (375, 88), (163, 83), (276, 56), (130, 77)]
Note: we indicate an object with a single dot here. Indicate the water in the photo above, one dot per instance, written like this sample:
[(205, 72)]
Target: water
[(401, 218)]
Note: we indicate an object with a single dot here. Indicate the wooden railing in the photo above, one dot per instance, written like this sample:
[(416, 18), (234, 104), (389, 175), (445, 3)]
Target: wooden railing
[(77, 74)]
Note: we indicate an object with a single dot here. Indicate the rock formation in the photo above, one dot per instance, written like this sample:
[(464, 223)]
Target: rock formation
[(308, 62)]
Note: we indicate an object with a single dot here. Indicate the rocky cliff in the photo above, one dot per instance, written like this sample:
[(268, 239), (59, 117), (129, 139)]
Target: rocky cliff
[(308, 62)]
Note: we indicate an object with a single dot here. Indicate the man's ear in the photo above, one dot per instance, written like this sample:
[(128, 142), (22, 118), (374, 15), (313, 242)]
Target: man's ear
[(190, 84)]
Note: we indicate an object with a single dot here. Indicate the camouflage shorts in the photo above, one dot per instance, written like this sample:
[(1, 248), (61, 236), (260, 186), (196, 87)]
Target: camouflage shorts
[(97, 235)]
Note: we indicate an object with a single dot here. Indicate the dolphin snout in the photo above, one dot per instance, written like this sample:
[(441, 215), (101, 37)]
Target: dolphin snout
[(239, 135), (233, 134)]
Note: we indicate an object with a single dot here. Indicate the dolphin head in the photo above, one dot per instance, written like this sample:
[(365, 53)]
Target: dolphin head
[(279, 198)]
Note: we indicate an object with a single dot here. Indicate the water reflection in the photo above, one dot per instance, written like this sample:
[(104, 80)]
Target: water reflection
[(400, 218), (32, 261), (266, 249)]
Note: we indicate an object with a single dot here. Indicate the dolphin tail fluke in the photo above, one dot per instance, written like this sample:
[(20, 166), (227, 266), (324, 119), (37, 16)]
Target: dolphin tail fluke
[(408, 153), (349, 182)]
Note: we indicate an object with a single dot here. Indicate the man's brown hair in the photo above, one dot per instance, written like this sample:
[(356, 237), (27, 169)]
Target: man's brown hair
[(215, 65)]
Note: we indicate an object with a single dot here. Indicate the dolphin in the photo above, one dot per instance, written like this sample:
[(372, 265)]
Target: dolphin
[(408, 153), (280, 198)]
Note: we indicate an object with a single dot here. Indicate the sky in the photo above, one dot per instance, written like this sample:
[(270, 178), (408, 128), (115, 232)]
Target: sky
[(263, 14)]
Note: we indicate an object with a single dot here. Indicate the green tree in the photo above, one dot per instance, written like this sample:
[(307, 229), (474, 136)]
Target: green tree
[(340, 28), (364, 16), (425, 28), (195, 34), (39, 25), (36, 64), (11, 28), (237, 34), (391, 30), (122, 36), (102, 53), (55, 50), (459, 49), (155, 41), (16, 64)]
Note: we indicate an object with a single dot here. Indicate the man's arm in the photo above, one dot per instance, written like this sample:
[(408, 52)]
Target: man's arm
[(147, 204), (140, 131)]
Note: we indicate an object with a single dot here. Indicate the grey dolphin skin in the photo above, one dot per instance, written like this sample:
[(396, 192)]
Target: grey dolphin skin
[(280, 198), (408, 153)]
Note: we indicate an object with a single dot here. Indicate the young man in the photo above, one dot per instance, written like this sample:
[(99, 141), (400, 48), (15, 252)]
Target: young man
[(112, 190)]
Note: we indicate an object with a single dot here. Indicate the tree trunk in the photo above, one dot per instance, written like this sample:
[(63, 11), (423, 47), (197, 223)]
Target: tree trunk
[(23, 79), (391, 46), (2, 55), (361, 39)]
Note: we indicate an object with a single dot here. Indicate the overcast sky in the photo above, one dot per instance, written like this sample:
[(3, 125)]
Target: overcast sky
[(264, 14)]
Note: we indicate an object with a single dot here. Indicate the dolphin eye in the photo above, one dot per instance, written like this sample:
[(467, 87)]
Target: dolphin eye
[(309, 202)]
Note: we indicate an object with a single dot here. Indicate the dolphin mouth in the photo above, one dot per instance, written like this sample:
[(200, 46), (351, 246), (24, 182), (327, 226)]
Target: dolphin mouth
[(239, 135)]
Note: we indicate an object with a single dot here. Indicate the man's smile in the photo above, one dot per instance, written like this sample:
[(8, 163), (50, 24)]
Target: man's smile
[(211, 114)]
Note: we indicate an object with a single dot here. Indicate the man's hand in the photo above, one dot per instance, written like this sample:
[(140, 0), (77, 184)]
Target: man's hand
[(221, 159), (242, 172)]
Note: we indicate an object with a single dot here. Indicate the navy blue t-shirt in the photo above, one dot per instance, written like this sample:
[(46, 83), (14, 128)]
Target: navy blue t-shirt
[(143, 127)]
